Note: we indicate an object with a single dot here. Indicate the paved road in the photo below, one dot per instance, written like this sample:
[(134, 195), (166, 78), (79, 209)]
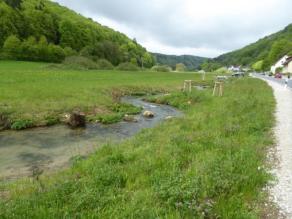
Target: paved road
[(280, 81)]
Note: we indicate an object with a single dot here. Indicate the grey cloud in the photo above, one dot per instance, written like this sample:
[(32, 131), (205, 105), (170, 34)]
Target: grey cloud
[(165, 22)]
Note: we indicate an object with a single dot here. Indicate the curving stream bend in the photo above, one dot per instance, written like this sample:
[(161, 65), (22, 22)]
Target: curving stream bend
[(51, 148)]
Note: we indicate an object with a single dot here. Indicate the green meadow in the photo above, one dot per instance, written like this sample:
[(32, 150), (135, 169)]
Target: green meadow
[(39, 95), (208, 164)]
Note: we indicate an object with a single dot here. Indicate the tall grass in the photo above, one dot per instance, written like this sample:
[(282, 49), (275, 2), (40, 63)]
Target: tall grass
[(207, 164)]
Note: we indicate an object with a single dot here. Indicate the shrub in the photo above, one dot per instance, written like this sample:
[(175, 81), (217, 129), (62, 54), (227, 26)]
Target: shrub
[(161, 68), (258, 66), (69, 51), (223, 70), (80, 62), (127, 66), (104, 64), (31, 49), (106, 118), (55, 53), (180, 67), (50, 120), (110, 118), (21, 124), (126, 108), (11, 47), (279, 70), (179, 100)]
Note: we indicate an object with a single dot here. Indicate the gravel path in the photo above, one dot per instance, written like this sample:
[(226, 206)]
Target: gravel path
[(281, 192)]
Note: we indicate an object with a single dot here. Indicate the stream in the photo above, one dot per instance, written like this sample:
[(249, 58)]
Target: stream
[(51, 148)]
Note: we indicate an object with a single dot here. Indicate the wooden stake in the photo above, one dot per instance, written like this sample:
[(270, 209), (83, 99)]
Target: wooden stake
[(188, 85), (218, 89)]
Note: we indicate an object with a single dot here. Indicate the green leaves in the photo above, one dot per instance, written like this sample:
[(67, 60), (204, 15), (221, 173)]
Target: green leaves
[(59, 32), (258, 66), (11, 47), (32, 50), (22, 124), (14, 3)]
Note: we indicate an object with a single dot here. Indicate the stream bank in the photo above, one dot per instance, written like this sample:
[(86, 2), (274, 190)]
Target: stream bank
[(50, 148)]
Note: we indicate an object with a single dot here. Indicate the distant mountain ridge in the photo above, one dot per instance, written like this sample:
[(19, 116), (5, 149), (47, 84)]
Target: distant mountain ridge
[(266, 50), (191, 62)]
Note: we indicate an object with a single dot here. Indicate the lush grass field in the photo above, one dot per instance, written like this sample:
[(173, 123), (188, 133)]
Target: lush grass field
[(33, 93), (208, 164)]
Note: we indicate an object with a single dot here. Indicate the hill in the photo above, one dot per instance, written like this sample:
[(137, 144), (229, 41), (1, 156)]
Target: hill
[(191, 62), (268, 49), (41, 30)]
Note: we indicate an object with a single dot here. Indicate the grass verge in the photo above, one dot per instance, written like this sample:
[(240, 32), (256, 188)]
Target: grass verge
[(205, 165)]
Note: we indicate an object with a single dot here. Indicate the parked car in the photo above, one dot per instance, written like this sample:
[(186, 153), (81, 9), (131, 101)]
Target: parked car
[(278, 75), (238, 74), (270, 74)]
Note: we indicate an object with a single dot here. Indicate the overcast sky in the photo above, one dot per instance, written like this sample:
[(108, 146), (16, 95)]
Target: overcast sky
[(196, 27)]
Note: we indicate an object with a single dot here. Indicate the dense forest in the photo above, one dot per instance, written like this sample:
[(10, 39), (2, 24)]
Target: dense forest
[(265, 52), (41, 30), (191, 62)]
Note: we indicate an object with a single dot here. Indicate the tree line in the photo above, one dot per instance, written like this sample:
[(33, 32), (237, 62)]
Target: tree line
[(191, 62), (32, 49), (41, 30)]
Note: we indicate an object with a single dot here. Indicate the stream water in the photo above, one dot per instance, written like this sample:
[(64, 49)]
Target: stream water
[(51, 148)]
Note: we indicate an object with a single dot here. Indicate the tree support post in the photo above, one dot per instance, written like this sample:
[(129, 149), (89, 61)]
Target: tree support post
[(218, 88), (188, 85)]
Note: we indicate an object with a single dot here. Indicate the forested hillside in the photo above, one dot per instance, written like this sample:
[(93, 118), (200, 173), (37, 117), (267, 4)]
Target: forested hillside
[(191, 62), (41, 30), (266, 51)]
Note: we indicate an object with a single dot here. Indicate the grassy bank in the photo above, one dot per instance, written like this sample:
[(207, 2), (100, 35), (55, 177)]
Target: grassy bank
[(32, 94), (205, 165)]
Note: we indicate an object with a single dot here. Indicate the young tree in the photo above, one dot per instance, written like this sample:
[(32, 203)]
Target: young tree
[(42, 47), (209, 66), (279, 70), (67, 31), (148, 60), (56, 53), (258, 66), (108, 50), (180, 67), (70, 52), (29, 49), (134, 61), (11, 47)]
